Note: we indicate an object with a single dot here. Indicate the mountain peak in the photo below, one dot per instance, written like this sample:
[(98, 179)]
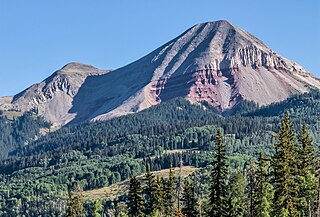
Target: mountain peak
[(53, 97), (217, 22), (75, 67)]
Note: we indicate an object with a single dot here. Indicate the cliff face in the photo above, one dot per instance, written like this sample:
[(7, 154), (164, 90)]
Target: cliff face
[(214, 62)]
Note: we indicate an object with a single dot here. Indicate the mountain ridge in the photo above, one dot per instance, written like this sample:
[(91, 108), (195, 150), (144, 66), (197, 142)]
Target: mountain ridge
[(215, 62), (52, 98)]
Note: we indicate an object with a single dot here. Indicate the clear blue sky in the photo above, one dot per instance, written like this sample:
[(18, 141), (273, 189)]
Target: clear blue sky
[(38, 37)]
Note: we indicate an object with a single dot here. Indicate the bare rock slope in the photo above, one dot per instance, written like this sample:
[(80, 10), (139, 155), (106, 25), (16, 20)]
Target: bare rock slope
[(53, 97), (214, 62)]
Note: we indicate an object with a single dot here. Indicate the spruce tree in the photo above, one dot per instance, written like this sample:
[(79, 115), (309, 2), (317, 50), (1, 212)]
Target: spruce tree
[(263, 194), (159, 195), (218, 179), (238, 202), (306, 173), (284, 169), (190, 202), (306, 152), (135, 202), (151, 191), (251, 186), (170, 193)]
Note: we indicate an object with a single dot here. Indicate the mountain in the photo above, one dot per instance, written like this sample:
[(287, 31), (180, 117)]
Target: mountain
[(215, 62), (53, 97)]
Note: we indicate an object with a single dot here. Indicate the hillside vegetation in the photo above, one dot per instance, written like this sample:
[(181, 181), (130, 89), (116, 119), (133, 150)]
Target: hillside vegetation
[(101, 154)]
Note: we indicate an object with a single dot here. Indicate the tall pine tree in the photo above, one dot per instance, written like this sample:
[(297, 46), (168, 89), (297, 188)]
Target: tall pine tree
[(135, 202), (263, 194), (159, 195), (218, 179), (190, 203), (151, 191), (238, 202), (251, 186), (170, 193), (306, 173), (284, 168)]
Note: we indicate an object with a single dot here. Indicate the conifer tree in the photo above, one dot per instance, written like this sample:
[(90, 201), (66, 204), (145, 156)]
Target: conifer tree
[(238, 202), (180, 184), (135, 202), (190, 203), (170, 193), (263, 194), (284, 168), (159, 195), (306, 173), (251, 186), (218, 182), (306, 155), (75, 203), (151, 191)]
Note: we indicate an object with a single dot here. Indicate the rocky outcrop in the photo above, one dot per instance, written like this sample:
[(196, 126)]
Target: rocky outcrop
[(53, 97)]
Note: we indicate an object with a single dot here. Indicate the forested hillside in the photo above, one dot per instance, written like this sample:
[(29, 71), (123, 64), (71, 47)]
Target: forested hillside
[(20, 131), (306, 104), (98, 154)]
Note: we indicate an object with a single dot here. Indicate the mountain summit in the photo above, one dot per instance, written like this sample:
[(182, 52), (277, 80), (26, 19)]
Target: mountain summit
[(215, 62)]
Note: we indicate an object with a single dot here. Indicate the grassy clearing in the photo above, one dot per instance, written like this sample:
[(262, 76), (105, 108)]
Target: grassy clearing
[(121, 188), (177, 151)]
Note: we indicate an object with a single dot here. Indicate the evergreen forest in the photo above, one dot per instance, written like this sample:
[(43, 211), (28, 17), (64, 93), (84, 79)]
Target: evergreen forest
[(257, 161)]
